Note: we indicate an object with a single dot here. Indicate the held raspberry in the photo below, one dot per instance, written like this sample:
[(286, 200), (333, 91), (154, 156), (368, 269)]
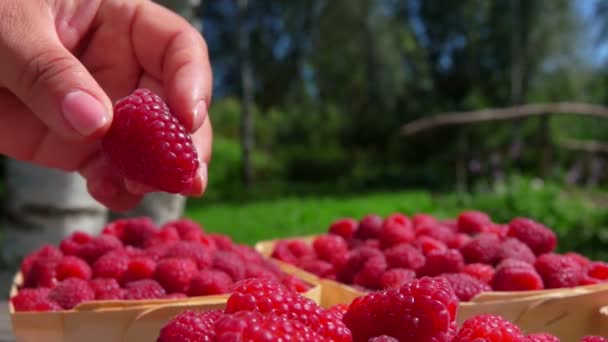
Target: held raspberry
[(146, 143)]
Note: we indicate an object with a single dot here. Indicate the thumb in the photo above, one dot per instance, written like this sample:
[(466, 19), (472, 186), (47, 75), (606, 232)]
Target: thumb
[(50, 81)]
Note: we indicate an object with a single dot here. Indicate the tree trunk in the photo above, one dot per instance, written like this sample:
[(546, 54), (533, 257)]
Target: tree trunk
[(517, 62), (247, 125)]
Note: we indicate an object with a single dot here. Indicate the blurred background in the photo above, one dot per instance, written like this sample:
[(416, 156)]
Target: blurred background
[(324, 109)]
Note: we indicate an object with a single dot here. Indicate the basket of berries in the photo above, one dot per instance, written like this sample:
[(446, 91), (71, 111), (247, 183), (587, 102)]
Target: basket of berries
[(511, 270), (126, 283)]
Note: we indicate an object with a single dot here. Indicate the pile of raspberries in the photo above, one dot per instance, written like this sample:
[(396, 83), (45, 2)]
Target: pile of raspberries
[(473, 253)]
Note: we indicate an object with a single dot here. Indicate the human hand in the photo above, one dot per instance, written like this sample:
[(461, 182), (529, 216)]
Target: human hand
[(64, 62)]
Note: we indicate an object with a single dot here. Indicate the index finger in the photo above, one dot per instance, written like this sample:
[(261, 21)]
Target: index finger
[(172, 50)]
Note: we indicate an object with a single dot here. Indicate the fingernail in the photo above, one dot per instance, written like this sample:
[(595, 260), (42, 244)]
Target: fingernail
[(84, 112), (199, 113)]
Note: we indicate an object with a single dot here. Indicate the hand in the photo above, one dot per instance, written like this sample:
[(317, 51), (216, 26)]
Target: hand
[(64, 62)]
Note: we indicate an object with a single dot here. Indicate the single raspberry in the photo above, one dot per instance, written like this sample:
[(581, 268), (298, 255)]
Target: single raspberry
[(404, 256), (427, 244), (396, 277), (191, 250), (558, 271), (188, 229), (422, 310), (71, 292), (248, 254), (72, 244), (253, 326), (146, 143), (370, 273), (472, 222), (490, 328), (230, 263), (98, 246), (345, 227), (144, 289), (158, 251), (292, 251), (482, 249), (424, 220), (135, 252), (320, 268), (458, 240), (438, 232), (439, 262), (260, 271), (191, 326), (541, 337), (139, 268), (174, 274), (579, 258), (587, 280), (165, 235), (369, 227), (538, 237), (338, 309), (482, 272), (34, 300), (42, 272), (45, 252), (106, 288), (396, 229), (383, 338), (223, 242), (465, 286), (598, 270), (294, 283), (594, 339), (355, 262), (71, 266), (512, 248), (210, 282), (516, 275), (113, 264), (328, 246), (132, 231)]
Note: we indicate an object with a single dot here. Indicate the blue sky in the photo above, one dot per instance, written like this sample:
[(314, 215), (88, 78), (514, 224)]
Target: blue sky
[(594, 53)]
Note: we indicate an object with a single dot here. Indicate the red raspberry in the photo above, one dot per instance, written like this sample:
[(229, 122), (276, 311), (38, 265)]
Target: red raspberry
[(71, 292), (580, 259), (472, 222), (355, 262), (294, 283), (175, 295), (383, 338), (598, 270), (113, 264), (427, 244), (482, 272), (458, 240), (538, 237), (396, 229), (230, 263), (34, 300), (191, 250), (465, 286), (489, 328), (439, 262), (210, 282), (292, 251), (512, 248), (260, 271), (421, 310), (404, 256), (106, 289), (396, 277), (144, 127), (190, 230), (174, 274), (248, 254), (320, 268), (165, 235), (139, 268), (191, 326), (159, 251), (98, 246), (438, 232), (424, 220), (71, 266), (328, 246), (541, 337), (253, 326), (516, 275), (558, 271), (369, 227), (46, 252), (594, 339), (370, 273), (223, 242), (43, 272), (132, 231), (482, 249), (144, 289), (587, 280), (72, 244), (345, 227), (338, 309)]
